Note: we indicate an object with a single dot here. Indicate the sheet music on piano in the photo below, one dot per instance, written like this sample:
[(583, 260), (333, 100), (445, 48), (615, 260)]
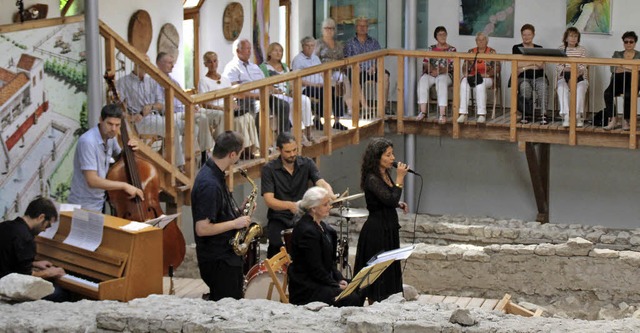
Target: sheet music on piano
[(51, 231), (86, 230)]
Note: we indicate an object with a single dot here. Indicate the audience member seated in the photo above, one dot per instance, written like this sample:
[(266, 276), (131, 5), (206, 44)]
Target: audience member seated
[(531, 79), (165, 63), (329, 49), (363, 43), (214, 110), (313, 274), (282, 91), (478, 70), (239, 70), (571, 46), (436, 71), (620, 83), (314, 84), (144, 103)]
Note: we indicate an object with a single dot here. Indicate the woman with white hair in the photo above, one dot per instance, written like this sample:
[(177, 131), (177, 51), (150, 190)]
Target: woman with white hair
[(313, 275), (480, 75)]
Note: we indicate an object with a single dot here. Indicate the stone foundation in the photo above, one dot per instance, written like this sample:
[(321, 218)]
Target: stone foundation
[(573, 279), (171, 314)]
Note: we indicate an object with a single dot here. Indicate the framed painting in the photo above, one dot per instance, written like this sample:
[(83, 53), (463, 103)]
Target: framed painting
[(591, 17), (492, 17)]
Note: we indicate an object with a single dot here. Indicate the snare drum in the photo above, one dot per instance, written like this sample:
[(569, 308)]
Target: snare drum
[(258, 281), (286, 236)]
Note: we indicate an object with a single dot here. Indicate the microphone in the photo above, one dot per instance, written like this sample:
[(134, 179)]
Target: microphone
[(395, 165)]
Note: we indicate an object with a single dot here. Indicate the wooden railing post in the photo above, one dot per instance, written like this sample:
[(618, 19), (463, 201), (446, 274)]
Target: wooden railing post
[(400, 94), (573, 93), (633, 118), (513, 121)]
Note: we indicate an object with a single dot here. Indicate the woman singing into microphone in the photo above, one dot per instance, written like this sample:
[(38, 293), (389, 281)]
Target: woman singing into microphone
[(381, 230)]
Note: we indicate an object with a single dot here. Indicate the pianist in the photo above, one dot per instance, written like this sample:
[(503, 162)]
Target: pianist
[(216, 219), (18, 248)]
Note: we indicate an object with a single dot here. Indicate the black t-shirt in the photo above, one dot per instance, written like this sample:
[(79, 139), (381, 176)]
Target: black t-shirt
[(17, 248), (288, 187), (210, 198)]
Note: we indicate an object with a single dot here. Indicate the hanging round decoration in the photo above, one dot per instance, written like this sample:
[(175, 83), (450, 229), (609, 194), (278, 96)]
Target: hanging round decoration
[(169, 40), (232, 21), (140, 30)]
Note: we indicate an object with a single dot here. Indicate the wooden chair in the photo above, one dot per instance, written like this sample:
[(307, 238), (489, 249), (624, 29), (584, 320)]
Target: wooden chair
[(279, 262)]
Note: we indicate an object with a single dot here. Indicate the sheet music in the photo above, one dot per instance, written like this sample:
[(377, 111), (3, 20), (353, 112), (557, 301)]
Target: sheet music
[(65, 207), (397, 254), (86, 230), (135, 226), (162, 220), (51, 231)]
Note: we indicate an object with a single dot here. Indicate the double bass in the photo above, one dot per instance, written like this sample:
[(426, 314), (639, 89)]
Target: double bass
[(141, 173)]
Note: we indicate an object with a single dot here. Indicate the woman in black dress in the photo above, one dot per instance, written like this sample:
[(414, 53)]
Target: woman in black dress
[(313, 275), (381, 230)]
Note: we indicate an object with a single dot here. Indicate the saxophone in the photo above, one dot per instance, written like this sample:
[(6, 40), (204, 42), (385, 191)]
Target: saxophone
[(240, 242)]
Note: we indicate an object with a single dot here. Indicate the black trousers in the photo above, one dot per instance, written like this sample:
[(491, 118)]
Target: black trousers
[(620, 84), (222, 279), (280, 109), (275, 237)]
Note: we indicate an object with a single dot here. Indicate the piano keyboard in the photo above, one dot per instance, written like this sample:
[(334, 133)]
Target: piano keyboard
[(77, 280)]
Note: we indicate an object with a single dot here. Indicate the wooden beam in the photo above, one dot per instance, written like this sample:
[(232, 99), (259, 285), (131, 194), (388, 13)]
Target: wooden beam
[(538, 162), (37, 24)]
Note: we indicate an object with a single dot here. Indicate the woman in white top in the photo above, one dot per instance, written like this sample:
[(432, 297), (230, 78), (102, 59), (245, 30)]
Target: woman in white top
[(214, 110), (282, 91), (571, 47)]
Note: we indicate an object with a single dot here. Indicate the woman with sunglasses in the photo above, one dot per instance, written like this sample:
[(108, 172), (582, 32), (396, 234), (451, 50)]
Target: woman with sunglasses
[(621, 83)]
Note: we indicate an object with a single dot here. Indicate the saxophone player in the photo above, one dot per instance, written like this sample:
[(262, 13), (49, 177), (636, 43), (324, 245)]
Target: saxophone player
[(284, 182), (217, 219)]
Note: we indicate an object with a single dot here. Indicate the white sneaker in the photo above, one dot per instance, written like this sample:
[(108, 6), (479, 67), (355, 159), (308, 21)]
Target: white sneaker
[(462, 118), (565, 120), (580, 122), (481, 119)]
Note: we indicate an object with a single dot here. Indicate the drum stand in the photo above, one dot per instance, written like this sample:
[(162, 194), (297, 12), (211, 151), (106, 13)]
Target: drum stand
[(343, 246)]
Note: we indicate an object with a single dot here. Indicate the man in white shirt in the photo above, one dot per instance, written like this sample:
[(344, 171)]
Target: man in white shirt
[(165, 63), (241, 70), (313, 84)]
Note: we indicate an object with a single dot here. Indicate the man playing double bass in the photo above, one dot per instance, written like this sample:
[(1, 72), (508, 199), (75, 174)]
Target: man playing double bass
[(216, 220), (96, 148)]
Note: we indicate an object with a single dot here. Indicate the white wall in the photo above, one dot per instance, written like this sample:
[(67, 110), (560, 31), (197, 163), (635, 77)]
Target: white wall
[(117, 13)]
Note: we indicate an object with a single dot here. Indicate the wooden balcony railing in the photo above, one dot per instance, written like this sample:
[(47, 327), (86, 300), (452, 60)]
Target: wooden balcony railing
[(331, 140)]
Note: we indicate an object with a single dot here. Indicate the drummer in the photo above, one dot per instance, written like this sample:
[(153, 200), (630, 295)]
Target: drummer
[(284, 181), (313, 275)]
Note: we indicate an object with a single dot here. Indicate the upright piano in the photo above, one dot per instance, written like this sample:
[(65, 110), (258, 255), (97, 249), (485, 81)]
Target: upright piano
[(126, 265)]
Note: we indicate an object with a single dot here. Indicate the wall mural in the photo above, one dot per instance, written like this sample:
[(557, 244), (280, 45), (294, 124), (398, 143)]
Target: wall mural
[(43, 82), (590, 16), (493, 17), (260, 29)]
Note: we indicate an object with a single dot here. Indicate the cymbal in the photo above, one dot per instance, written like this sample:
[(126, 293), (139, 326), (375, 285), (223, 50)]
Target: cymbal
[(349, 212), (347, 198)]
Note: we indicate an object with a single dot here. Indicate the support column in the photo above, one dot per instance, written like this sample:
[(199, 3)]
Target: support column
[(94, 75), (538, 161), (409, 97)]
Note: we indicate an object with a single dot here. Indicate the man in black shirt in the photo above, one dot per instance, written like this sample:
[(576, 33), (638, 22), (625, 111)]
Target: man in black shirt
[(217, 218), (284, 181), (18, 248)]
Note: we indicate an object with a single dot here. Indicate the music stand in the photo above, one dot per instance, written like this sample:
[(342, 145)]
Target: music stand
[(364, 278)]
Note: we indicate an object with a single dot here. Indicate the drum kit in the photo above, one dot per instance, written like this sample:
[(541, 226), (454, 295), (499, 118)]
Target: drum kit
[(257, 279), (347, 213)]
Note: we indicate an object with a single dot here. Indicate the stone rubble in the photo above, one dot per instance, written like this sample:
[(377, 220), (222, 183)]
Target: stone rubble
[(161, 313), (19, 287)]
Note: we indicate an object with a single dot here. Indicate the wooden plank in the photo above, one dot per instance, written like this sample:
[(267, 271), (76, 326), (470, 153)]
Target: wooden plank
[(502, 304), (450, 299), (463, 301), (516, 309), (489, 304), (437, 299), (475, 302)]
